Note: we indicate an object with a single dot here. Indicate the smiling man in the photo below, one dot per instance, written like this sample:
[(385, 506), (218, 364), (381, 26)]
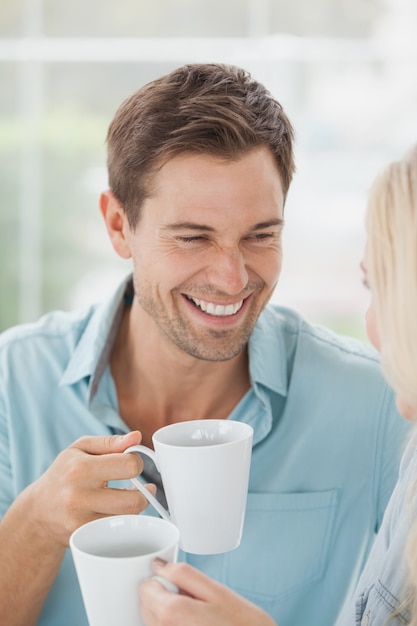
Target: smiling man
[(206, 251), (200, 162)]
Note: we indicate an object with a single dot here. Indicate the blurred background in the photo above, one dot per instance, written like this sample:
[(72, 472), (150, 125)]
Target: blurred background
[(344, 70)]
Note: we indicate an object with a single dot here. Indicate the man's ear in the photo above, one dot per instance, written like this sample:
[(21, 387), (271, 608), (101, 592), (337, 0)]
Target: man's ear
[(116, 223)]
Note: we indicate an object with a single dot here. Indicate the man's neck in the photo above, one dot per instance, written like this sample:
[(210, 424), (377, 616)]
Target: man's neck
[(158, 384)]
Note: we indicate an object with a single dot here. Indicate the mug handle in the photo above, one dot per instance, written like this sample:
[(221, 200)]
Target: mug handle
[(139, 485)]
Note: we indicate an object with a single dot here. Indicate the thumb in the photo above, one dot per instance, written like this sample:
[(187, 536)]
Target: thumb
[(107, 444)]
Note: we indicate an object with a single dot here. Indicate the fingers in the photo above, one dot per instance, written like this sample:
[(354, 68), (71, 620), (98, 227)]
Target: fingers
[(150, 487), (107, 444), (85, 476), (102, 458), (160, 607), (116, 466), (189, 580), (74, 489), (169, 586), (206, 602), (105, 501)]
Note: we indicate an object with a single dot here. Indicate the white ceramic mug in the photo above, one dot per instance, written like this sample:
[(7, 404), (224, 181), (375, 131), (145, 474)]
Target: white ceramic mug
[(112, 556), (204, 466)]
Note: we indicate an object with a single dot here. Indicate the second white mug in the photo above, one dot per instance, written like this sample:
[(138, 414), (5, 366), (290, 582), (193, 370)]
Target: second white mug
[(113, 556), (204, 465)]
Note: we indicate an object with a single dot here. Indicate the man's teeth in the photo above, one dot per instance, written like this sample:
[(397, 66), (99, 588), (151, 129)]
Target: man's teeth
[(219, 310)]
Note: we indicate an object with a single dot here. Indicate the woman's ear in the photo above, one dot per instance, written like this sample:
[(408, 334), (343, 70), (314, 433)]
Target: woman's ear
[(116, 223)]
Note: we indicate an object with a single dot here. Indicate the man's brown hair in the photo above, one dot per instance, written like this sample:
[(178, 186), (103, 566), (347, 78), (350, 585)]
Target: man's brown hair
[(211, 109)]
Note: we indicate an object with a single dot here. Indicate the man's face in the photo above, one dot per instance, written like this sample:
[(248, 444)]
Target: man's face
[(207, 250)]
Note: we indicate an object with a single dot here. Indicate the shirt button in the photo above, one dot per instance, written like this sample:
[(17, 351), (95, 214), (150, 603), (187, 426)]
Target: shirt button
[(365, 620)]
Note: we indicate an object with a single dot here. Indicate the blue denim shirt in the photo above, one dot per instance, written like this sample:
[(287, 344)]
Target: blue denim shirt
[(327, 443), (382, 589)]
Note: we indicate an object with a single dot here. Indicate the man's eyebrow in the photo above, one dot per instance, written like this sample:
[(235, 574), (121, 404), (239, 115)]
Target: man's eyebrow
[(275, 222), (188, 226), (206, 228)]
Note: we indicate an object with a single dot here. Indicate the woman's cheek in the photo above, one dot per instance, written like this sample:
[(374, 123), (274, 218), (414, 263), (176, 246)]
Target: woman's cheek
[(371, 328), (406, 410)]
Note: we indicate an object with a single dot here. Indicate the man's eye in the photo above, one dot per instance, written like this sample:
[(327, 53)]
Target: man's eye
[(191, 239), (262, 236)]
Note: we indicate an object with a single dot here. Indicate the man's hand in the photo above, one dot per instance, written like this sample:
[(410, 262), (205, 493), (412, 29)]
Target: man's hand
[(74, 489), (35, 531)]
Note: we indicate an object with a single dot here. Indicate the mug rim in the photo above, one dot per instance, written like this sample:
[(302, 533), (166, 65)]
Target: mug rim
[(246, 431), (102, 521)]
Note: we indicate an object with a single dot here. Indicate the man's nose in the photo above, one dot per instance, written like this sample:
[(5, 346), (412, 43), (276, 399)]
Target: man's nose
[(227, 270)]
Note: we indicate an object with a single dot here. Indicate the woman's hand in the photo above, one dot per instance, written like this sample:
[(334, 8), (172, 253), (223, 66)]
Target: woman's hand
[(201, 601)]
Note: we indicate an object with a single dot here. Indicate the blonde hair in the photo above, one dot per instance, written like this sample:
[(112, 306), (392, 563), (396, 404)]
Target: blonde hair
[(392, 269)]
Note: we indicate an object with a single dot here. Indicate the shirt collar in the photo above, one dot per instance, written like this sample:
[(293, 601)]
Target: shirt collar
[(268, 354), (267, 351), (92, 353)]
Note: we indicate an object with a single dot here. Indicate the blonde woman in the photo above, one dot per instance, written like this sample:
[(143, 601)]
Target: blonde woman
[(390, 270), (386, 586)]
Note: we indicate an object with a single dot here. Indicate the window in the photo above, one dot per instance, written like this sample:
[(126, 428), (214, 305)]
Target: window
[(343, 70)]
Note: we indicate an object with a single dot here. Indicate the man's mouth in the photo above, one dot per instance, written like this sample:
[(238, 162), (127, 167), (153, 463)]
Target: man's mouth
[(219, 310)]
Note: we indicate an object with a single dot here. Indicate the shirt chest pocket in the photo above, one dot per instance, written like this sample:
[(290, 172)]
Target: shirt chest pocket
[(285, 543)]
